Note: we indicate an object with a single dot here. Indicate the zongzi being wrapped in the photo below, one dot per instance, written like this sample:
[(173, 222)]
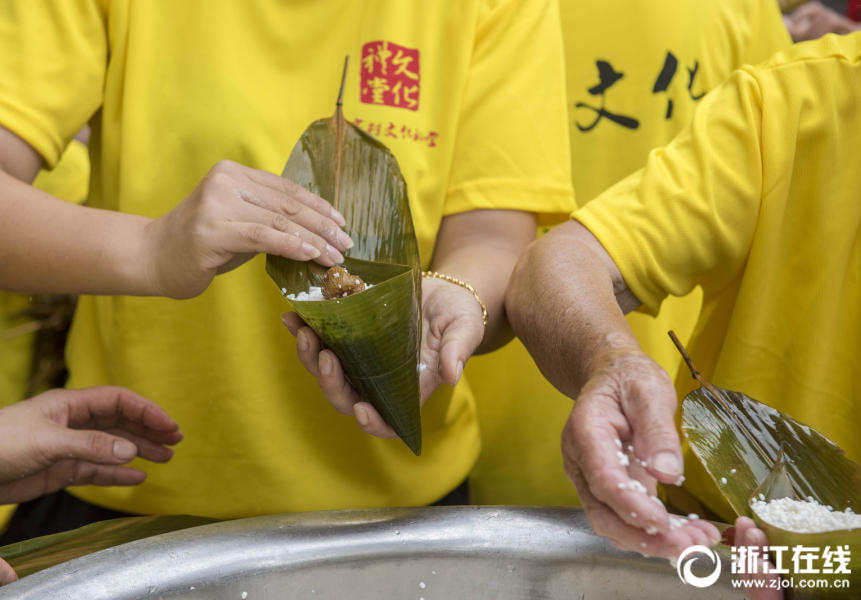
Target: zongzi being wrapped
[(367, 311)]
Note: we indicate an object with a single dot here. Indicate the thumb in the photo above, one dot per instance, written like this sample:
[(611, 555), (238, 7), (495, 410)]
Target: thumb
[(92, 446), (7, 573), (650, 407), (457, 343)]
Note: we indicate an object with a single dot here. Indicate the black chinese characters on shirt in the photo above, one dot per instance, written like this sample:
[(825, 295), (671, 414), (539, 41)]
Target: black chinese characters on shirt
[(608, 77)]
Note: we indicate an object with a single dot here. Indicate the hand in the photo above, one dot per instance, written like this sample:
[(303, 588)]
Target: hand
[(813, 20), (452, 328), (747, 534), (7, 574), (629, 399), (79, 437), (232, 215)]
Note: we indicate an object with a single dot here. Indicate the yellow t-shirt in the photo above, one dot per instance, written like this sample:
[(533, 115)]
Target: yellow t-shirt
[(644, 41), (757, 202), (468, 95)]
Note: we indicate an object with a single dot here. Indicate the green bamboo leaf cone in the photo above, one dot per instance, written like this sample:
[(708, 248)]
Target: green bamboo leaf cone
[(779, 457), (376, 334)]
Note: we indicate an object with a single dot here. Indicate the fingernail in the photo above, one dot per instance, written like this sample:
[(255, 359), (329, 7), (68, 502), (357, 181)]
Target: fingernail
[(667, 463), (345, 240), (325, 364), (125, 450), (333, 253), (309, 250), (301, 341), (338, 217), (459, 372), (361, 415)]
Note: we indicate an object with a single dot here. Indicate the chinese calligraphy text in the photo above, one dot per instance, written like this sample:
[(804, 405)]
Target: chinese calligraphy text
[(390, 75)]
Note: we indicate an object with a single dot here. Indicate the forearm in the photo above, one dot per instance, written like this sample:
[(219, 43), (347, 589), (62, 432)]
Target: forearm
[(563, 302), (481, 248), (51, 246)]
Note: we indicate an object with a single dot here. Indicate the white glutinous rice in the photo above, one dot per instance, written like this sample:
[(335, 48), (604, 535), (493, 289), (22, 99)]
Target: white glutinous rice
[(723, 480), (623, 458), (315, 294), (676, 522), (804, 516), (618, 443), (732, 471), (421, 367), (636, 486)]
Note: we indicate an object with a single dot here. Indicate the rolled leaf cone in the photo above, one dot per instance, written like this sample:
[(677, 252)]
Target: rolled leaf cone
[(376, 333), (784, 459), (41, 553)]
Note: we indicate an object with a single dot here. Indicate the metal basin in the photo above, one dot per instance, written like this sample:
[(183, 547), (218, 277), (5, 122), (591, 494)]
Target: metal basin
[(505, 553)]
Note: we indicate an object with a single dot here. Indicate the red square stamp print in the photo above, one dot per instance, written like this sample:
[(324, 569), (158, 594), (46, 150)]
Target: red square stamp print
[(390, 75)]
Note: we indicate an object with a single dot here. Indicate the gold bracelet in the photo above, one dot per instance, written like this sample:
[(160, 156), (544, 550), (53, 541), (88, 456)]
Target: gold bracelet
[(462, 284)]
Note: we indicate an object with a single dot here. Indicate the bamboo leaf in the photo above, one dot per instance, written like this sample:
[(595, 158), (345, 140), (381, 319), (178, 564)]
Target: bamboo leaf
[(777, 485), (377, 333), (41, 553), (779, 457)]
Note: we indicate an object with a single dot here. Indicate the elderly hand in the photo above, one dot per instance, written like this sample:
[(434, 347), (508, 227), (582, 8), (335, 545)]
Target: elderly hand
[(79, 437), (624, 414), (233, 214), (747, 534), (452, 328)]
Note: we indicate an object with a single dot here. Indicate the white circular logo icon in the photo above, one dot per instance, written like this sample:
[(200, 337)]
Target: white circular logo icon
[(685, 571)]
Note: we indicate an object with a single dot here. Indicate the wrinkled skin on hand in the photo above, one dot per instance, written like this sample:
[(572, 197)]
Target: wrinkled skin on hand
[(629, 399), (452, 328)]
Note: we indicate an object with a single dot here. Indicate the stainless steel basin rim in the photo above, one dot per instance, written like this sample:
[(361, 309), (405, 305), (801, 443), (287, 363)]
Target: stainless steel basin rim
[(505, 553)]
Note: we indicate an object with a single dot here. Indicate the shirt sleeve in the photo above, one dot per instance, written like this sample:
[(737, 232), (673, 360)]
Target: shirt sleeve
[(52, 72), (768, 34), (512, 147), (689, 216)]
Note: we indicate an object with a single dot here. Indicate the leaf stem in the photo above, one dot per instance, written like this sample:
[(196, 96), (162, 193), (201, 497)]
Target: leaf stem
[(340, 101), (717, 395), (339, 132)]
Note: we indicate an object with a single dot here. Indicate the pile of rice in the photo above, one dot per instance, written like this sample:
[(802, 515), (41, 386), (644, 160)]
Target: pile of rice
[(804, 516), (313, 293)]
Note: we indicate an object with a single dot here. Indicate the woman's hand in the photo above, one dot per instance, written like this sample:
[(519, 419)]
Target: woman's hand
[(452, 328), (79, 437), (233, 214)]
